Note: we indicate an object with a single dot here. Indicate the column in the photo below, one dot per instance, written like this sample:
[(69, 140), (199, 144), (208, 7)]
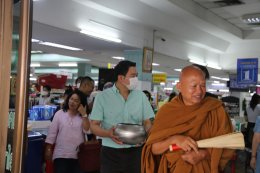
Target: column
[(145, 78), (84, 69)]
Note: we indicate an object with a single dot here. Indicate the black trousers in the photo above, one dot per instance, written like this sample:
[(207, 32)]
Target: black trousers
[(63, 165), (249, 134), (125, 160)]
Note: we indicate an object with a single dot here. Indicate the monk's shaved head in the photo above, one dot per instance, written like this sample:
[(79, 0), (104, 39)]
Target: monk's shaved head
[(192, 85), (186, 71)]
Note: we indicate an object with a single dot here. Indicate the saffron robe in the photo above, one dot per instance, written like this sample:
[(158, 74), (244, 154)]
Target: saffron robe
[(200, 121)]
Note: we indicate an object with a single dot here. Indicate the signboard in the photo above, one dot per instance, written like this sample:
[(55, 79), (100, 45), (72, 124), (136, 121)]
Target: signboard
[(54, 81), (247, 71), (158, 78)]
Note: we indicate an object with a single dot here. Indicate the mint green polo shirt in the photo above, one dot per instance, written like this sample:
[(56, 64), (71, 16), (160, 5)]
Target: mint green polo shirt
[(110, 108)]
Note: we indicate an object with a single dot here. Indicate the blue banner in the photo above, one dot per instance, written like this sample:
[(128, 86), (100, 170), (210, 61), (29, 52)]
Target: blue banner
[(247, 71)]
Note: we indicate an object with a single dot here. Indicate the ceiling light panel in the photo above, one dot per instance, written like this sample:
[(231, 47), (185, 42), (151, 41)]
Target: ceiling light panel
[(100, 36), (155, 64), (59, 46), (35, 65), (118, 57), (68, 64)]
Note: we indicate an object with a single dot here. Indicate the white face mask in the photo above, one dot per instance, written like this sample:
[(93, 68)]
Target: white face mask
[(44, 93), (133, 83)]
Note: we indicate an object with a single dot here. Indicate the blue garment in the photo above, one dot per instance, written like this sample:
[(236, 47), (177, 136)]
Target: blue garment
[(110, 108), (257, 130)]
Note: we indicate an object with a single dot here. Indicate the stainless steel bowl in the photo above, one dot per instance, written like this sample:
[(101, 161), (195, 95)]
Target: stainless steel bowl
[(131, 134)]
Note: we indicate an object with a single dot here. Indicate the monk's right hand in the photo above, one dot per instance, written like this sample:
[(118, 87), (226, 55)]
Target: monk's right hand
[(194, 158), (113, 137), (186, 143)]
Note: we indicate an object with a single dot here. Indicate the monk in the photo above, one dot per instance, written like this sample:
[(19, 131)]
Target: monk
[(189, 117)]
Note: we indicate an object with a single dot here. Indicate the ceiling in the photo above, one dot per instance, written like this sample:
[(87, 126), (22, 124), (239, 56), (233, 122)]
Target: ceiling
[(201, 29)]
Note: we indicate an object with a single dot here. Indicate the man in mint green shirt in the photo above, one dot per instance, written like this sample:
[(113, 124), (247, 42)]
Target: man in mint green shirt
[(120, 104)]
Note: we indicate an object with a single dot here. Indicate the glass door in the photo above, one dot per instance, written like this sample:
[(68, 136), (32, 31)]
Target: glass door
[(16, 28)]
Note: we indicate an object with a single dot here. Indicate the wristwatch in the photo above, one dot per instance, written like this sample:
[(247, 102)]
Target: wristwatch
[(85, 116)]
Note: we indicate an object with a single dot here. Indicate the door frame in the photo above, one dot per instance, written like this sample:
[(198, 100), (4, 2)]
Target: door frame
[(6, 25)]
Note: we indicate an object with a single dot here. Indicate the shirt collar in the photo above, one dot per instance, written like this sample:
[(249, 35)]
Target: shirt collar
[(115, 89)]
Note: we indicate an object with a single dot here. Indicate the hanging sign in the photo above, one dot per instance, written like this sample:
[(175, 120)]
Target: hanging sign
[(247, 71), (160, 77)]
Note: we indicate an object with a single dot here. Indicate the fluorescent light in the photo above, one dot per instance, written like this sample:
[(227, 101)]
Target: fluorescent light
[(118, 57), (155, 64), (224, 90), (68, 64), (101, 36), (214, 66), (162, 83), (35, 51), (215, 77), (219, 78), (35, 40), (226, 79), (33, 78), (177, 69), (31, 75), (212, 90), (218, 84), (198, 62), (157, 72), (215, 81), (35, 65), (59, 45), (168, 88)]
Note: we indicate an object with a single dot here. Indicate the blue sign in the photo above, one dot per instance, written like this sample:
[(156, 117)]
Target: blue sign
[(247, 71)]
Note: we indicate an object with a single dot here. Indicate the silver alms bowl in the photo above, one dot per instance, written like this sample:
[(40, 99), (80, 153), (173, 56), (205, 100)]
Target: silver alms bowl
[(131, 134)]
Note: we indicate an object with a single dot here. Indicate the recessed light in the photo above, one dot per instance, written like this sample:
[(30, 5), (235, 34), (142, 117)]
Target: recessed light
[(253, 18)]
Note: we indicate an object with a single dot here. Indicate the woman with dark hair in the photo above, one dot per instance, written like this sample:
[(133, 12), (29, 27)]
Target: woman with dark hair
[(252, 112), (66, 132)]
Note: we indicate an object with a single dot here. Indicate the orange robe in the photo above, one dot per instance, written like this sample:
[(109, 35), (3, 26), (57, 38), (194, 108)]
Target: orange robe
[(204, 120)]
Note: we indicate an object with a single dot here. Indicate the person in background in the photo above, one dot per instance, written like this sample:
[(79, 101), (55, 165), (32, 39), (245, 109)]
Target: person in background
[(34, 89), (189, 117), (149, 96), (45, 98), (66, 93), (120, 104), (66, 132), (253, 111), (207, 76), (86, 88), (78, 81), (61, 102), (107, 85), (171, 96), (255, 156)]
